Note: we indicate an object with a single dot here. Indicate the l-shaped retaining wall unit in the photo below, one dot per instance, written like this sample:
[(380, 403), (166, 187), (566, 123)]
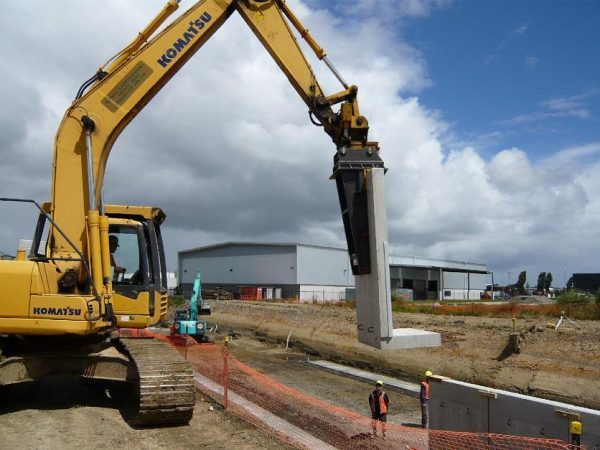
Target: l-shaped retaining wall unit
[(459, 406), (373, 298)]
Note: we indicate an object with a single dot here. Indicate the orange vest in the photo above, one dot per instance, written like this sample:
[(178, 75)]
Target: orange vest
[(382, 405), (425, 384)]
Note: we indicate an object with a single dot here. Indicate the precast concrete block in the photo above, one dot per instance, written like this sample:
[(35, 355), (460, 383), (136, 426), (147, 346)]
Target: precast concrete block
[(403, 338), (373, 293), (458, 406), (522, 417)]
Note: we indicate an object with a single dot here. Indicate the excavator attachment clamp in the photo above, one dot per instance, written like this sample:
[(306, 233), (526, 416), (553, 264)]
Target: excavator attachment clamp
[(349, 166)]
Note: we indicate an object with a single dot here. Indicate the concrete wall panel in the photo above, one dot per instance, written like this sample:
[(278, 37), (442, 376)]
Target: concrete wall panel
[(458, 406), (510, 415)]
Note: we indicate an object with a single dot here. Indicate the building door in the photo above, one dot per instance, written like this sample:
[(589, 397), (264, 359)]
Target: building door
[(432, 290)]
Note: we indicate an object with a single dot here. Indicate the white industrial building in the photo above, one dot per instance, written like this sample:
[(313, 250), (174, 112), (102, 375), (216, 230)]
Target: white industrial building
[(437, 279), (306, 272), (311, 272)]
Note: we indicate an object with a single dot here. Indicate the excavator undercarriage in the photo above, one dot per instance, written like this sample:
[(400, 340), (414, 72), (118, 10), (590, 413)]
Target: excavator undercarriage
[(159, 377)]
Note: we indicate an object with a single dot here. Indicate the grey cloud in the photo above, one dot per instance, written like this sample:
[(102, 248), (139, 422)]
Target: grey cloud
[(227, 149)]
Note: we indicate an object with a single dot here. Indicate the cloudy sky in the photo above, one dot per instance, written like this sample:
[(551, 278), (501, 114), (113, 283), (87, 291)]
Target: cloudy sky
[(487, 114)]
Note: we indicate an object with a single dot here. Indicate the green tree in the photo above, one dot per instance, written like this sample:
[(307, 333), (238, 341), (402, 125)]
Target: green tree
[(541, 282), (520, 286), (548, 281)]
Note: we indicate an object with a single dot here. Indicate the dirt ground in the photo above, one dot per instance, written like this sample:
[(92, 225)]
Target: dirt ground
[(561, 364), (63, 415)]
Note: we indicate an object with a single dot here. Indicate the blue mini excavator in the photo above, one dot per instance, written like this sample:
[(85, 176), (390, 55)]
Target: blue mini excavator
[(186, 321)]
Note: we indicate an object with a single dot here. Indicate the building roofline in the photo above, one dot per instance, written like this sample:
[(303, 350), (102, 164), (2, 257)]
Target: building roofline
[(258, 244), (432, 263), (417, 261), (447, 269)]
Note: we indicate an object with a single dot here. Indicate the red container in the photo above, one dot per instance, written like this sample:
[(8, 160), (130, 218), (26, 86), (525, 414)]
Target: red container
[(249, 293)]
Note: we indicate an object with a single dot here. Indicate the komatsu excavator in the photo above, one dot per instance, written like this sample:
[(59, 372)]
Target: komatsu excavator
[(94, 268)]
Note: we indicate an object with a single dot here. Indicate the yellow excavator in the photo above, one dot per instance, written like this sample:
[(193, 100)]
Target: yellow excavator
[(94, 268)]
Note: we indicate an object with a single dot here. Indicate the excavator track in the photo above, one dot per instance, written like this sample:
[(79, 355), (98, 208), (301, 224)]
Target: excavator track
[(166, 388)]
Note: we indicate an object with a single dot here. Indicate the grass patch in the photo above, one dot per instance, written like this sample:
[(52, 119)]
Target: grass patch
[(588, 309), (580, 311)]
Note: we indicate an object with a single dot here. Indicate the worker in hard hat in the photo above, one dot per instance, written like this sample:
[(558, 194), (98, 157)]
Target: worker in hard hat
[(424, 397), (379, 403)]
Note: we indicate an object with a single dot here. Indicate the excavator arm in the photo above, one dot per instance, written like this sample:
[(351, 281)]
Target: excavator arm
[(120, 90)]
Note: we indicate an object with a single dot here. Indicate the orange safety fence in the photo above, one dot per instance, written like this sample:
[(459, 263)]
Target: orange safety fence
[(248, 392)]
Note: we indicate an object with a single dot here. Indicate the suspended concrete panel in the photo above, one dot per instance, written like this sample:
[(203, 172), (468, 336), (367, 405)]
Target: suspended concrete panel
[(373, 294)]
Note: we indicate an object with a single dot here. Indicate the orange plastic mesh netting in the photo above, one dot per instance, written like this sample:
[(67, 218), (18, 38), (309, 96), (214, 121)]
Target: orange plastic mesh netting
[(252, 396)]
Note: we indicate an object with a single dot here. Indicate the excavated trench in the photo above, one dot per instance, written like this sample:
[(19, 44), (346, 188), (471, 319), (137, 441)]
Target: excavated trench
[(558, 365), (289, 366)]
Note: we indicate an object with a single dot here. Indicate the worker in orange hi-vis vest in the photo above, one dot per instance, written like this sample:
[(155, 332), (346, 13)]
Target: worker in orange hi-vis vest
[(379, 403), (424, 397)]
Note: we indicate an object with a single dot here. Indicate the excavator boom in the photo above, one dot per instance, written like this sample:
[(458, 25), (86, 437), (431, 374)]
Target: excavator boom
[(93, 122)]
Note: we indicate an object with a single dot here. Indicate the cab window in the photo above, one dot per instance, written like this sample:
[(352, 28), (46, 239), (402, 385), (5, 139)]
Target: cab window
[(125, 260)]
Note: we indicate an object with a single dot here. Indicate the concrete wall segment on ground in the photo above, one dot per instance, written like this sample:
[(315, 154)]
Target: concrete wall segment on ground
[(459, 406)]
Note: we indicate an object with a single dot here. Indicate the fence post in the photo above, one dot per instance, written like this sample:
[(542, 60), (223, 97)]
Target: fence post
[(225, 351)]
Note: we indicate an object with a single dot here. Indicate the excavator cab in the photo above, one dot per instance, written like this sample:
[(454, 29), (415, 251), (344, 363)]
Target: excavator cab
[(140, 286), (139, 276)]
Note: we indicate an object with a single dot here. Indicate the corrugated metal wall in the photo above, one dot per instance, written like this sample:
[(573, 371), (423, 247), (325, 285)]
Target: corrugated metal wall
[(324, 266), (240, 264)]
